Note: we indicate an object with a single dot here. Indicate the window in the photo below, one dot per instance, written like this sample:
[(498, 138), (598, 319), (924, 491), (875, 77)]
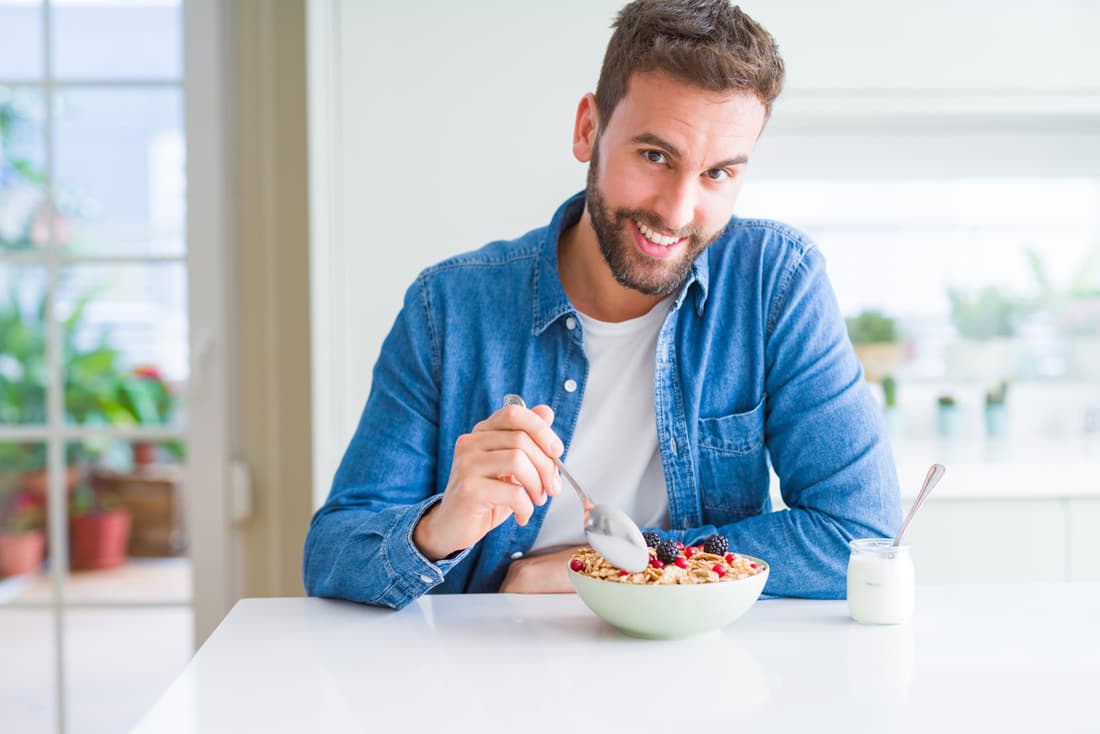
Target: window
[(971, 287), (95, 594)]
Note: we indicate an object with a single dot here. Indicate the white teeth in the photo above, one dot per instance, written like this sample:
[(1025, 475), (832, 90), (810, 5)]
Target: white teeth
[(657, 239)]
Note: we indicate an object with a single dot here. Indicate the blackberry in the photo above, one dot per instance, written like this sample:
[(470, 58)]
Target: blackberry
[(716, 544), (667, 551), (651, 538)]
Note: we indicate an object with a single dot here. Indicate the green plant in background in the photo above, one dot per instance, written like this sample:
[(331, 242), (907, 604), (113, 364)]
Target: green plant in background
[(87, 500), (22, 513), (997, 395), (872, 327), (945, 401), (890, 391), (147, 397), (986, 314), (1076, 307), (97, 390), (150, 400)]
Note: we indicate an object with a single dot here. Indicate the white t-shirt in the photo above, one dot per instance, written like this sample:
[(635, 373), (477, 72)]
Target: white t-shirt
[(613, 453)]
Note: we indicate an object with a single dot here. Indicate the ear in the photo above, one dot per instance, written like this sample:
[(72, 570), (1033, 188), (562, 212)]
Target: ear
[(586, 128)]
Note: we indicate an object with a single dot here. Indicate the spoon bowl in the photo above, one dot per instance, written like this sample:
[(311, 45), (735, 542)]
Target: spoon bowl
[(609, 530)]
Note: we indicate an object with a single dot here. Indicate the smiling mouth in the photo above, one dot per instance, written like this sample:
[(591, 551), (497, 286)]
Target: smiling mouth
[(655, 237)]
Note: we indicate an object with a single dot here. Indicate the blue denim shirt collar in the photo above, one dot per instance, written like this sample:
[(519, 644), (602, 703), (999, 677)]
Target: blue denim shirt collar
[(551, 302)]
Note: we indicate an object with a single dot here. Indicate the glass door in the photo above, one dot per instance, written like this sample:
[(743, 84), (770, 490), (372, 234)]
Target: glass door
[(96, 601)]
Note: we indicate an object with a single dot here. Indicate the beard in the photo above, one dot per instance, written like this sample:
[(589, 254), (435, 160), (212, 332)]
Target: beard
[(631, 268)]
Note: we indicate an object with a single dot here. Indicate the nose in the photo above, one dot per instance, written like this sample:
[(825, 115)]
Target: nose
[(677, 202)]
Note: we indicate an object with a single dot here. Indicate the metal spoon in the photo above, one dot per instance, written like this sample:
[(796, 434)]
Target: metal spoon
[(935, 474), (609, 530)]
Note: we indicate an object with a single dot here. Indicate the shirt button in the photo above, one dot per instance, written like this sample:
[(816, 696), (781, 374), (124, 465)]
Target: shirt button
[(517, 555), (427, 579), (571, 323), (570, 385), (672, 445)]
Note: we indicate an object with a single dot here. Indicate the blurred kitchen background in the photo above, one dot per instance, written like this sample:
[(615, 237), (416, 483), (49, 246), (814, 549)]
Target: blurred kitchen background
[(209, 212)]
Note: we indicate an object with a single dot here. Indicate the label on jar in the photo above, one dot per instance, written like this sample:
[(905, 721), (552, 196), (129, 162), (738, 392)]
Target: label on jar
[(880, 589)]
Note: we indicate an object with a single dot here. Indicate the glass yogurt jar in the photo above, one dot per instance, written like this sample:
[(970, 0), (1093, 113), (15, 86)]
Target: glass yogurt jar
[(880, 581)]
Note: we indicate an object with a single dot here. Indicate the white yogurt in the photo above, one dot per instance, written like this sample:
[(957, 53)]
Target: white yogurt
[(880, 581)]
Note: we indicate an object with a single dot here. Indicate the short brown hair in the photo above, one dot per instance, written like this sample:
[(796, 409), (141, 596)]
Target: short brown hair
[(708, 43)]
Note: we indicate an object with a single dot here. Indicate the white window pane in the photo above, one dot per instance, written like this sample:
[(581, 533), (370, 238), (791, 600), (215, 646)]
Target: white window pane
[(902, 246), (22, 169), (28, 689), (21, 49), (120, 171), (118, 663), (116, 39)]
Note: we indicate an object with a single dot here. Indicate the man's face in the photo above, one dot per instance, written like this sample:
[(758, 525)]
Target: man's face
[(664, 176)]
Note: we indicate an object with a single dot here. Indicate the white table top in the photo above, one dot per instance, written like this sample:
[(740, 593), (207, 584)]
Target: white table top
[(975, 658)]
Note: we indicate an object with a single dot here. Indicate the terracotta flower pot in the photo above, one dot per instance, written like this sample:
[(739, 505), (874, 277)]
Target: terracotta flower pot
[(144, 453), (21, 552), (98, 540)]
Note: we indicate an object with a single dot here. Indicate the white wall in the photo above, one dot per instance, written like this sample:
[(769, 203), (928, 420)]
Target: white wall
[(438, 126)]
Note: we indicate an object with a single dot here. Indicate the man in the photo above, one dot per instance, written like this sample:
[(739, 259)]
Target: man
[(672, 352)]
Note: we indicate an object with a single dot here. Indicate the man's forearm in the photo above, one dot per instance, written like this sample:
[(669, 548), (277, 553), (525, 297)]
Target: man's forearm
[(368, 556), (807, 550)]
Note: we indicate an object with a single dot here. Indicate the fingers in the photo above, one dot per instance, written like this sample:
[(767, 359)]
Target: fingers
[(506, 494), (501, 454), (535, 423), (500, 469), (545, 412)]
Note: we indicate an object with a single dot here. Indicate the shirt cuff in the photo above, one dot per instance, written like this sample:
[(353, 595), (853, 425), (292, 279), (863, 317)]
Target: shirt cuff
[(412, 570)]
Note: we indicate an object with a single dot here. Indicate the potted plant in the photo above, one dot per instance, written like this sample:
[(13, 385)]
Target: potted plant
[(877, 343), (890, 409), (22, 534), (986, 325), (91, 384), (148, 400), (99, 530), (996, 413), (948, 417)]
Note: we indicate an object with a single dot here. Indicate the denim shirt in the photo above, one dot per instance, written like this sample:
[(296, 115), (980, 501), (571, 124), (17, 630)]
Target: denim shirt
[(753, 369)]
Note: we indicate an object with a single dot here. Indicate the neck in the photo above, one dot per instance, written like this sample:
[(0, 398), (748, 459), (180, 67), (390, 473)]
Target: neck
[(588, 280)]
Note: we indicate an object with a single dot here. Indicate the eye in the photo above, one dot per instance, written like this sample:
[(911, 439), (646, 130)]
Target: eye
[(654, 156), (718, 174)]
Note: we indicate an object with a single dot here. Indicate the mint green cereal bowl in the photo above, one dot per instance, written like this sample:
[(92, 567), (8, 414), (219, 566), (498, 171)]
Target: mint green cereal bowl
[(674, 611)]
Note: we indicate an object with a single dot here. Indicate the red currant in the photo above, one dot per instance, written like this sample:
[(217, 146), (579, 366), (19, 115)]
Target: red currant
[(718, 569), (623, 572), (689, 551), (577, 565), (656, 563), (730, 558)]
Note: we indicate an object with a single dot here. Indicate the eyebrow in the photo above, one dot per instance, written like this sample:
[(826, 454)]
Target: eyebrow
[(659, 142)]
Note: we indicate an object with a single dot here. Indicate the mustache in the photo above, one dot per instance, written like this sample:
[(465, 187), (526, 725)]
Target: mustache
[(654, 222)]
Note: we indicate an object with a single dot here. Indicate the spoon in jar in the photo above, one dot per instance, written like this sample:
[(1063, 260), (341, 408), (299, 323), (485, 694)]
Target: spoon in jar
[(609, 530), (935, 474)]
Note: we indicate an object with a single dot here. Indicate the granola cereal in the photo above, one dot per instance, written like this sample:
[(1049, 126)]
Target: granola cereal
[(693, 565)]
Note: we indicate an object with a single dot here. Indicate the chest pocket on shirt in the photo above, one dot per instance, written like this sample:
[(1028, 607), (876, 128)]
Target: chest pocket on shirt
[(733, 468)]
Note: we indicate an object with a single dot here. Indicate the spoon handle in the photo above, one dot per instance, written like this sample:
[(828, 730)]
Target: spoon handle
[(576, 485), (513, 399), (935, 474)]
